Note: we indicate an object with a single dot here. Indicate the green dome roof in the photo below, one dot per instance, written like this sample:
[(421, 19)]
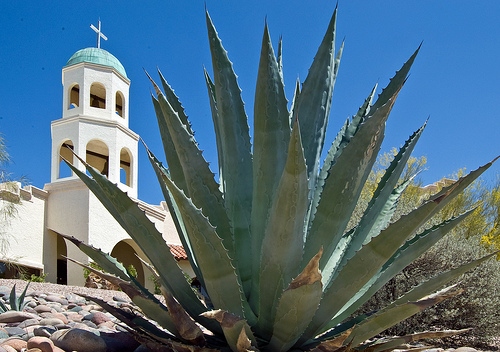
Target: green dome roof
[(96, 56)]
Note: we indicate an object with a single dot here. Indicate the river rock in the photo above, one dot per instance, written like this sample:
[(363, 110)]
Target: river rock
[(8, 348), (44, 331), (14, 342), (13, 316), (14, 331), (44, 344), (78, 340), (28, 322), (99, 318), (42, 308)]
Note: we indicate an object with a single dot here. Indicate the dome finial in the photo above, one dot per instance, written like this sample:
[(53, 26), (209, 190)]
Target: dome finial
[(99, 33)]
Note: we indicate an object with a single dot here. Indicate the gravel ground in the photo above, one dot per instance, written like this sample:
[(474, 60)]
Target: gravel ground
[(46, 287)]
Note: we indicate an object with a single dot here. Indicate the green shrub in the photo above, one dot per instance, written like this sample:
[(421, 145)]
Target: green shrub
[(36, 278), (478, 306)]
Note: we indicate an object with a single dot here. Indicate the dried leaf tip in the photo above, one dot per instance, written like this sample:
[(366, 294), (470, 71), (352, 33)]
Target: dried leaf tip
[(157, 89), (310, 274), (227, 320)]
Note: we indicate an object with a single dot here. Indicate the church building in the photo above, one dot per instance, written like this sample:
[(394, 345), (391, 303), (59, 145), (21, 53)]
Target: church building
[(95, 126)]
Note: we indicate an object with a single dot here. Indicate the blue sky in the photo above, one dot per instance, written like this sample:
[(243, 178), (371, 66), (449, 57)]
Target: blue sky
[(454, 80)]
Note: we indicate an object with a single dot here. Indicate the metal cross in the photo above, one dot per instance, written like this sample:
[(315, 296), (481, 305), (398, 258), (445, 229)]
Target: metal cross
[(99, 33)]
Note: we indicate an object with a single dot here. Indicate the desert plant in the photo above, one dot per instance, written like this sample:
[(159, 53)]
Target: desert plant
[(34, 278), (14, 303), (269, 244), (477, 308), (479, 305)]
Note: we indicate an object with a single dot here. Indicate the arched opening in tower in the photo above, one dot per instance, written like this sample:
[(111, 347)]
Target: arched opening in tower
[(74, 96), (97, 156), (65, 151), (126, 167), (97, 96), (119, 104)]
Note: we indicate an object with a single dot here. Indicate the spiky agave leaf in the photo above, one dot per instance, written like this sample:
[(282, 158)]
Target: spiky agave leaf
[(398, 341), (357, 272), (185, 325), (174, 212), (168, 146), (405, 255), (236, 153), (133, 321), (151, 307), (104, 260), (116, 273), (271, 139), (201, 186), (344, 184), (351, 169), (379, 211), (284, 234), (174, 101), (236, 330), (144, 233), (387, 318), (16, 303), (297, 306), (333, 344), (314, 101), (221, 281), (343, 137)]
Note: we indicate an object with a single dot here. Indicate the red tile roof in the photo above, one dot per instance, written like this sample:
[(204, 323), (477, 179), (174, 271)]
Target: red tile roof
[(178, 251)]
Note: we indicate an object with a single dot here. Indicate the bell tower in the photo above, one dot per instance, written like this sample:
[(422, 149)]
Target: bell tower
[(95, 119)]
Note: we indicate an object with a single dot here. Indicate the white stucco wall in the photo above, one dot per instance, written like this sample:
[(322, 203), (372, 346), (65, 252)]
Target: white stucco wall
[(70, 208), (25, 231), (67, 213), (73, 210)]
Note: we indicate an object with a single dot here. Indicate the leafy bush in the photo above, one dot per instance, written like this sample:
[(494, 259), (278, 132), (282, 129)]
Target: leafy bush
[(478, 306), (36, 278)]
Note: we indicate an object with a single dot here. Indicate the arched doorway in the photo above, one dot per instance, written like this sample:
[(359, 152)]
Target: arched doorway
[(62, 264), (125, 254)]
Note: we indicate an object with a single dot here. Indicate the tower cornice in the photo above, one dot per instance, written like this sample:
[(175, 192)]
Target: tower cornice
[(95, 67), (96, 121)]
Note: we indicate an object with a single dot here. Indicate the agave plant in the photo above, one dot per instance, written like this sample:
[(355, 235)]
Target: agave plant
[(270, 242), (15, 303)]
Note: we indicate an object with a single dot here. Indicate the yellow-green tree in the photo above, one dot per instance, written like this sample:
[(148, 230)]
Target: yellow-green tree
[(484, 222)]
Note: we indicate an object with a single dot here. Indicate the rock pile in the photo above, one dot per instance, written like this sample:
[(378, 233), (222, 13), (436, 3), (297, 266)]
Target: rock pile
[(63, 323), (55, 322)]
